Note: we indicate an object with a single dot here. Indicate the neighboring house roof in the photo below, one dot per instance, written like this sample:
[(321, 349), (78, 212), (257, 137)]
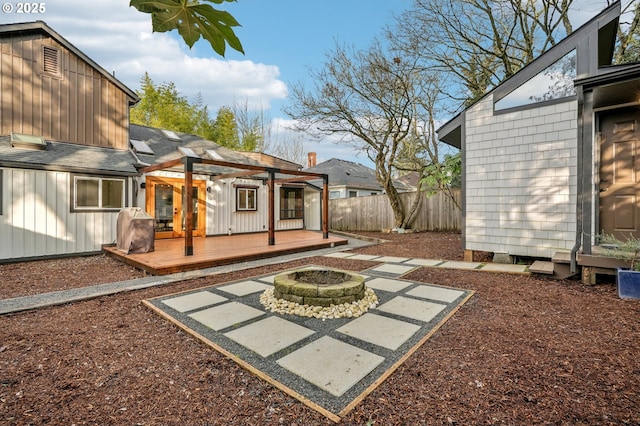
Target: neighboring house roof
[(352, 175), (43, 28), (347, 173), (67, 157)]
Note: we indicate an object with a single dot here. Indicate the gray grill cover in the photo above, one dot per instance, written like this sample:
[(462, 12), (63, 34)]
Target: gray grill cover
[(135, 230)]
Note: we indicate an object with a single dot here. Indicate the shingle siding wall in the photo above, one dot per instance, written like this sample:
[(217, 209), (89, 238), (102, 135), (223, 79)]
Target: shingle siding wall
[(521, 179)]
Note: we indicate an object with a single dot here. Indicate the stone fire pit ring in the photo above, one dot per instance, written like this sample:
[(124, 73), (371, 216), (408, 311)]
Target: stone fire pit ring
[(319, 287)]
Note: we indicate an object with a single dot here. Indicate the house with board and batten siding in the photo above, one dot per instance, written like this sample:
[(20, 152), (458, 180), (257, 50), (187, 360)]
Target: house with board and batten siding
[(70, 161), (65, 165), (550, 156)]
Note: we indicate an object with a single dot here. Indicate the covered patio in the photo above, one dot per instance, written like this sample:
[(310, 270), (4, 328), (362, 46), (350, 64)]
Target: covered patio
[(169, 257)]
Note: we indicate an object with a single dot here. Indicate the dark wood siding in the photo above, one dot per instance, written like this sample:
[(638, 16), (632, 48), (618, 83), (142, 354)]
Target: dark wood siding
[(79, 105)]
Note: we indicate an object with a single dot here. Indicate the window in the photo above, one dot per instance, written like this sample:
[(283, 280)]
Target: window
[(353, 194), (94, 193), (291, 203), (246, 199), (555, 82), (334, 194)]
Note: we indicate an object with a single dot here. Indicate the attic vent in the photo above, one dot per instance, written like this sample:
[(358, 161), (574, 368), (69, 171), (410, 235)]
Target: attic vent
[(50, 60), (170, 134), (19, 140)]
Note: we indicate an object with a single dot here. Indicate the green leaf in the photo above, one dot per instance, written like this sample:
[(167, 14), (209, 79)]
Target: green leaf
[(193, 20)]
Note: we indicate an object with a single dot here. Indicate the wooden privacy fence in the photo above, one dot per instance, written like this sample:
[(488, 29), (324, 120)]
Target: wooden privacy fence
[(373, 213)]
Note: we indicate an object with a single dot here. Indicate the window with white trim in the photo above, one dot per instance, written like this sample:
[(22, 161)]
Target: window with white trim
[(246, 199), (97, 193)]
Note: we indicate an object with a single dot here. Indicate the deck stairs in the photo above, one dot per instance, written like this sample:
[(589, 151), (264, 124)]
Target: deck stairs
[(559, 267)]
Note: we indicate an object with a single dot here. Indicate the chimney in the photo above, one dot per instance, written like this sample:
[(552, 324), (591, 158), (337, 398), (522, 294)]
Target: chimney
[(311, 159)]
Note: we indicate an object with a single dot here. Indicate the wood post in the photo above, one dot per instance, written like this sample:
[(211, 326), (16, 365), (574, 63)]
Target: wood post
[(325, 206), (188, 208), (272, 206)]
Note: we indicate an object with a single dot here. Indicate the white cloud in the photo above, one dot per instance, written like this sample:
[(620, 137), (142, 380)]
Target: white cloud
[(119, 39)]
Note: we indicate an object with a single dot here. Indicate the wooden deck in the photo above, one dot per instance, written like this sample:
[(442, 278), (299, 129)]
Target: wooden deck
[(168, 256)]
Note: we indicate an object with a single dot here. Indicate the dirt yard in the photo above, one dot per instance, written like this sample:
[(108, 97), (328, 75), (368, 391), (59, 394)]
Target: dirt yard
[(523, 350)]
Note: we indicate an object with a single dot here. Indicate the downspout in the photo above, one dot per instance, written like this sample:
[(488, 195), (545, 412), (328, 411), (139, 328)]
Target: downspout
[(579, 183)]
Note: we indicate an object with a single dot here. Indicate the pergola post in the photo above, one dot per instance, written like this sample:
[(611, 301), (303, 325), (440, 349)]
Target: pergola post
[(188, 208), (272, 206), (325, 206)]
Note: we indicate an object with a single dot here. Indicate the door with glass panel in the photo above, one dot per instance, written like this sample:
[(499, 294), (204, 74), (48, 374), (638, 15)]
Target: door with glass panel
[(165, 201)]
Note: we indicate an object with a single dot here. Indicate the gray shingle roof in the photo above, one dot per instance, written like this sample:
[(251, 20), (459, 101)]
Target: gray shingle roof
[(67, 157), (347, 173)]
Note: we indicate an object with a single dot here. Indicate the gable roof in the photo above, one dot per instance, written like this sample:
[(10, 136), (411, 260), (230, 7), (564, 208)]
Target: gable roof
[(41, 27), (595, 42), (347, 173)]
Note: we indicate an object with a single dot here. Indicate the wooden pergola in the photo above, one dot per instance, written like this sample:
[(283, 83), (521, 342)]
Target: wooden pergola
[(188, 162)]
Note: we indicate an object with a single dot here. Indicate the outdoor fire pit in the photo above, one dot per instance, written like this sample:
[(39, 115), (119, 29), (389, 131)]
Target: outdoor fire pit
[(321, 293)]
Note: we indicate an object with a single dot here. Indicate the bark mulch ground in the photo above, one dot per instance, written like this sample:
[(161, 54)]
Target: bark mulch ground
[(523, 350)]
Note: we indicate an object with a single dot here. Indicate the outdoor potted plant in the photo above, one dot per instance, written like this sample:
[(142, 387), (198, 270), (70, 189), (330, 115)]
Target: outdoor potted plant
[(629, 250)]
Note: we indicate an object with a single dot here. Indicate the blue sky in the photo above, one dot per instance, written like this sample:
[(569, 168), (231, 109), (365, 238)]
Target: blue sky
[(281, 39)]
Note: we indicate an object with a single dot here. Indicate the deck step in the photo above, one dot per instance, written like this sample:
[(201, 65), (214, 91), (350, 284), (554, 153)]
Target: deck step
[(561, 257), (541, 267)]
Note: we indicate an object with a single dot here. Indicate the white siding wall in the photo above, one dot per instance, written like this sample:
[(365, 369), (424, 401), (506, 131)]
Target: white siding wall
[(37, 221), (312, 217), (521, 179)]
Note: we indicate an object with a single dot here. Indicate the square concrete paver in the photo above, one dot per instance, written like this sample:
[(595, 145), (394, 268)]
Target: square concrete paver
[(392, 259), (460, 265), (243, 288), (504, 267), (340, 254), (387, 284), (393, 269), (192, 301), (268, 336), (330, 364), (363, 257), (423, 262), (382, 331), (435, 293), (226, 315), (411, 308)]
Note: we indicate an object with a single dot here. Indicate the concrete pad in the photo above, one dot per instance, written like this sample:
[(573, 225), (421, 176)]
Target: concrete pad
[(226, 315), (340, 254), (382, 331), (392, 259), (435, 293), (330, 364), (243, 288), (192, 301), (460, 265), (363, 257), (504, 267), (424, 262), (387, 284), (411, 308), (393, 269), (270, 335)]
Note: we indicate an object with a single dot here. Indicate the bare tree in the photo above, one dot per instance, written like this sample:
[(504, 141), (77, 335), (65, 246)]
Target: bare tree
[(253, 126), (480, 42), (368, 98)]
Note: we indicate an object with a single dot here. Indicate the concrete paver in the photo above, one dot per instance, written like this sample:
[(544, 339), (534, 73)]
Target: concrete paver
[(225, 315), (192, 301), (243, 288), (504, 267), (331, 364), (270, 335), (459, 265), (393, 269), (392, 259), (411, 308), (424, 262), (363, 257), (383, 331), (388, 284), (435, 293)]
